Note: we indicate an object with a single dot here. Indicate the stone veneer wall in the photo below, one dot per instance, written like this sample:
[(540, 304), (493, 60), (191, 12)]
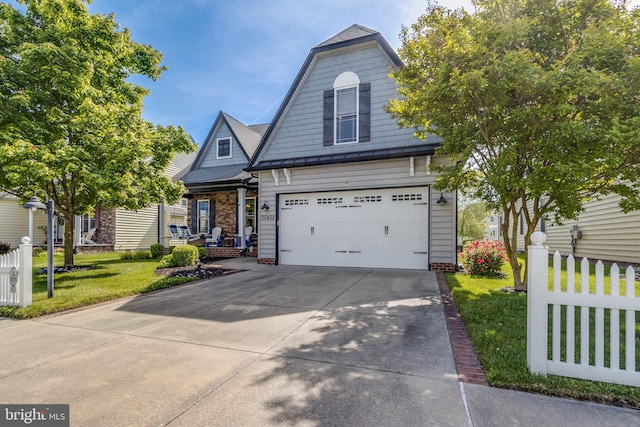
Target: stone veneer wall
[(106, 226), (225, 205)]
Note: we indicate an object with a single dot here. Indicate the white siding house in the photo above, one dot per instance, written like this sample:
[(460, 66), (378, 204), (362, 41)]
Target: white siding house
[(120, 228)]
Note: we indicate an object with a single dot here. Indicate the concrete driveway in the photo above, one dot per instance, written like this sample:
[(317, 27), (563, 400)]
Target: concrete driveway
[(267, 346)]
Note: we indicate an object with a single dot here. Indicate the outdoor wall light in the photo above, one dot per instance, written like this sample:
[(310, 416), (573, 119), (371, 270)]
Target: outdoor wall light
[(441, 201), (265, 206)]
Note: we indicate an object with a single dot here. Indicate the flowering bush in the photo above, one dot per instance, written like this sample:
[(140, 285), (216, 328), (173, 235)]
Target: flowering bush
[(484, 257)]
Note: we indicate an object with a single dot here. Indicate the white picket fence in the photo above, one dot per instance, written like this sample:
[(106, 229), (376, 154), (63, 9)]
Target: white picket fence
[(16, 275), (599, 321)]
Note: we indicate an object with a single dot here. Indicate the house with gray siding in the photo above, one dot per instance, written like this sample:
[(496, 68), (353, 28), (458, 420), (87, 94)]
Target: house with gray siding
[(220, 192), (340, 184)]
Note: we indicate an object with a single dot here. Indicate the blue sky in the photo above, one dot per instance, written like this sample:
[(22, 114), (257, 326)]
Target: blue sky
[(241, 56)]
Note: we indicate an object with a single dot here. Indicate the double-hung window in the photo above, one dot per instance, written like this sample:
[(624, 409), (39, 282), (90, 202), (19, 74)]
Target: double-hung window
[(346, 115), (224, 148)]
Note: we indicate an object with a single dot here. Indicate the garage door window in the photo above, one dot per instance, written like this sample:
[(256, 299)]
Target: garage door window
[(296, 202), (406, 197), (367, 199), (329, 200)]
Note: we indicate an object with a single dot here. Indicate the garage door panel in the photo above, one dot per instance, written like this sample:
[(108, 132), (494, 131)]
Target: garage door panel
[(375, 228)]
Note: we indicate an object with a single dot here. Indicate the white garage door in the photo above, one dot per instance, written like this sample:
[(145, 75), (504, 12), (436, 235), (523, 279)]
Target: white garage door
[(369, 228)]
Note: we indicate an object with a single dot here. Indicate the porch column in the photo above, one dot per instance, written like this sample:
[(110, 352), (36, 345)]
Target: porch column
[(77, 230), (161, 227), (242, 202)]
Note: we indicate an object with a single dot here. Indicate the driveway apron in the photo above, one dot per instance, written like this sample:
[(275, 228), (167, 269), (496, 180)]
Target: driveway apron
[(265, 346)]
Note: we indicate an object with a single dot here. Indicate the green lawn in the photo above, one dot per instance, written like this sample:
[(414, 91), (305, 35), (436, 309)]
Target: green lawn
[(497, 325), (111, 278)]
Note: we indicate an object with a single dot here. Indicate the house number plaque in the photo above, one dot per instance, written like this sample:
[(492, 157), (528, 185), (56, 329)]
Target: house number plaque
[(13, 279)]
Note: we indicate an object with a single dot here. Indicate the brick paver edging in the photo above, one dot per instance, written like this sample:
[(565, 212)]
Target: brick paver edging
[(467, 363)]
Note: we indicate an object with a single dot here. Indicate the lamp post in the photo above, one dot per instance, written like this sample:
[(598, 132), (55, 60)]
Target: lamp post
[(33, 204)]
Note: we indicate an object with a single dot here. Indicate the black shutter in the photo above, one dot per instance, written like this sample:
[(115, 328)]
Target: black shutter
[(327, 126), (365, 112), (194, 217)]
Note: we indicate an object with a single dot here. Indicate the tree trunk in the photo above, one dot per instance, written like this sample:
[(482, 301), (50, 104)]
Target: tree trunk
[(68, 240), (510, 238)]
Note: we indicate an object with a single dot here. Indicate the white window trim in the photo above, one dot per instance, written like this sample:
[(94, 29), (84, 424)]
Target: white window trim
[(346, 80), (218, 156)]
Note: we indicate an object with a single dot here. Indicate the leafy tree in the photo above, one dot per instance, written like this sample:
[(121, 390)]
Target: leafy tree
[(70, 120), (537, 103), (471, 221)]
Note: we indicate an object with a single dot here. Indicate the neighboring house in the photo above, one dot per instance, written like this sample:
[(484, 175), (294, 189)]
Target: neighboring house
[(222, 194), (138, 230), (601, 232), (493, 231), (118, 229), (14, 222), (340, 183)]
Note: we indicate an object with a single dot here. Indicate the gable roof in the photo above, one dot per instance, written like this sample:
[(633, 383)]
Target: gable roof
[(247, 137), (351, 36)]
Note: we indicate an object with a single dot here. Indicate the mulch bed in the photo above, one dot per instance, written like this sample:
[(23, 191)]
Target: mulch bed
[(205, 272), (66, 269)]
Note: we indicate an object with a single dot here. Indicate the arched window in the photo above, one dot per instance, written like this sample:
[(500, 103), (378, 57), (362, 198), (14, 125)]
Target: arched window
[(346, 107)]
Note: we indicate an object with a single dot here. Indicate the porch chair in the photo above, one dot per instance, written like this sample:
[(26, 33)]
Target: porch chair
[(247, 236), (186, 234), (86, 237), (174, 232), (215, 238)]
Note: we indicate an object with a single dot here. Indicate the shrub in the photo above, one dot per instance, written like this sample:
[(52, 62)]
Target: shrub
[(484, 257), (166, 261), (136, 255), (157, 250), (39, 251), (4, 248), (185, 255), (202, 252)]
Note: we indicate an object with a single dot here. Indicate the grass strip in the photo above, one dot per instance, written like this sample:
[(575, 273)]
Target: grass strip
[(497, 325)]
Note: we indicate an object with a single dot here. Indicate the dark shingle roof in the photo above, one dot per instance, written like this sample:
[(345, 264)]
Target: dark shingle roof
[(353, 32), (214, 174)]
